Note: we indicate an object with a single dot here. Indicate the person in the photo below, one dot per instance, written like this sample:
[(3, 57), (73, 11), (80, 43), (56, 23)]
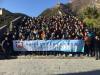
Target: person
[(1, 48), (92, 36), (87, 45), (97, 47), (6, 46)]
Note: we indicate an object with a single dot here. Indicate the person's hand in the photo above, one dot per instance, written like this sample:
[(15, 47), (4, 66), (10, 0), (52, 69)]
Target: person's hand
[(8, 44)]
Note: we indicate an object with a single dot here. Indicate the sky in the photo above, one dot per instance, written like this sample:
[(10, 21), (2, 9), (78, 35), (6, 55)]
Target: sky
[(29, 7)]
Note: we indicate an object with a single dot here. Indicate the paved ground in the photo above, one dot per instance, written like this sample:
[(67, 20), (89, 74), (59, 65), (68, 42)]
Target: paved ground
[(86, 66)]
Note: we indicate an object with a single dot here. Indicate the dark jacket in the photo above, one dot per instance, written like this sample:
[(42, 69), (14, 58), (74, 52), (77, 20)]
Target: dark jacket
[(97, 43), (5, 44)]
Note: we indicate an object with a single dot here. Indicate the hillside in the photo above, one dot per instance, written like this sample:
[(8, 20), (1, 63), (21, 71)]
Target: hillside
[(59, 9), (8, 16), (77, 5)]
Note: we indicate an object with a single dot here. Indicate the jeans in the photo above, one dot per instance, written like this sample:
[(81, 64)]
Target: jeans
[(97, 53)]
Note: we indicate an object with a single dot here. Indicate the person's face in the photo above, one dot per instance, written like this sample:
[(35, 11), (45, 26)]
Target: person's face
[(6, 38), (96, 37)]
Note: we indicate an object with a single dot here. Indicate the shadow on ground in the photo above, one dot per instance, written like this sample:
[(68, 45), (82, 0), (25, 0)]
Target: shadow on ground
[(96, 72), (7, 57)]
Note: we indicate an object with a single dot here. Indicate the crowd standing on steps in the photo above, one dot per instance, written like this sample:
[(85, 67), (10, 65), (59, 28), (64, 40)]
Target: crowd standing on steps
[(52, 28)]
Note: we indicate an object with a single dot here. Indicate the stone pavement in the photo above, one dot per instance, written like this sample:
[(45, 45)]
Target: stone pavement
[(86, 66)]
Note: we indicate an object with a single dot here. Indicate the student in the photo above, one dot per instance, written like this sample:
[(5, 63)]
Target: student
[(6, 46), (87, 45), (97, 47)]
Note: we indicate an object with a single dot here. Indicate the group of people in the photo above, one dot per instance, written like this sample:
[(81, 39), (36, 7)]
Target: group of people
[(53, 28)]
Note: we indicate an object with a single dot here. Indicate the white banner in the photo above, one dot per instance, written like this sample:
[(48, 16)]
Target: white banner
[(49, 45)]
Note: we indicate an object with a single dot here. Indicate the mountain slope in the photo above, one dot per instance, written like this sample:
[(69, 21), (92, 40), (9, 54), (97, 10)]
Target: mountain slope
[(8, 16), (81, 4), (59, 9)]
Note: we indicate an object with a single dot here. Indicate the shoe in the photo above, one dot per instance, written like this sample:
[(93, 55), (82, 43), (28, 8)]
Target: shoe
[(97, 59)]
